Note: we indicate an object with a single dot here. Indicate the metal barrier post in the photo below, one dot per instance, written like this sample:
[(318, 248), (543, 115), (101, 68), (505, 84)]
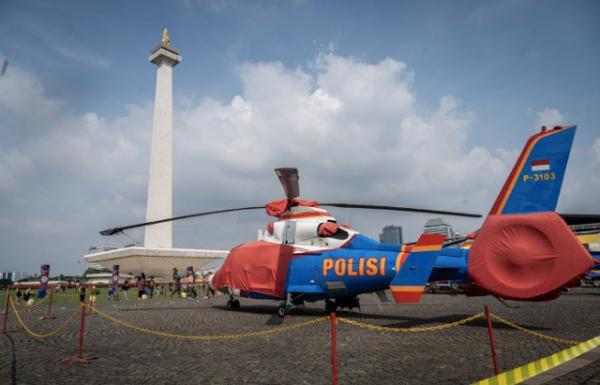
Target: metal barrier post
[(49, 314), (333, 349), (5, 321), (491, 336), (79, 358)]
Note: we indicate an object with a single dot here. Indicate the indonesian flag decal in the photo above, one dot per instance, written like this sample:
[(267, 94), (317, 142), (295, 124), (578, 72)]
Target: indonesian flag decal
[(540, 165)]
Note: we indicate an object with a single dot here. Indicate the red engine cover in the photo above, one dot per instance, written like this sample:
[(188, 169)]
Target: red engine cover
[(258, 267), (526, 256)]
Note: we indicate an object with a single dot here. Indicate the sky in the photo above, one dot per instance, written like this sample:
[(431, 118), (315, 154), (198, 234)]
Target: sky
[(422, 103)]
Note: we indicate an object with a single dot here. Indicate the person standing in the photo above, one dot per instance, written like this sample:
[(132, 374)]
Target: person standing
[(27, 295), (19, 294), (151, 286), (140, 286), (81, 293), (93, 294), (125, 288), (176, 282), (144, 284)]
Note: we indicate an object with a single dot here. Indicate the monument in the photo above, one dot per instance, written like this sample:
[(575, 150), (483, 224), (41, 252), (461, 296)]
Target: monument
[(160, 182), (158, 257)]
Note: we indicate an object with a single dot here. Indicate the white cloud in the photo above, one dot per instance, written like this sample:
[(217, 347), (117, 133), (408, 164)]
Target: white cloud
[(86, 57), (13, 165), (550, 117), (351, 127), (22, 94)]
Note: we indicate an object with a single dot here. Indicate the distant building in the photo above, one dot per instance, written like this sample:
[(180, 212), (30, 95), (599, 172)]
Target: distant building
[(391, 234), (13, 275), (439, 226)]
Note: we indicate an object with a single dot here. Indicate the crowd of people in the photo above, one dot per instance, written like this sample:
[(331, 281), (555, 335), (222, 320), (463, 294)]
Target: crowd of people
[(180, 285)]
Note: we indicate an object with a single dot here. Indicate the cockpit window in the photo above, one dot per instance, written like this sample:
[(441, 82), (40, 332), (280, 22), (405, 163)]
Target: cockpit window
[(340, 234), (327, 229)]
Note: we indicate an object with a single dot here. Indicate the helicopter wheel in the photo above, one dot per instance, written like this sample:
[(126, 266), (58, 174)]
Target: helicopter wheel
[(281, 311)]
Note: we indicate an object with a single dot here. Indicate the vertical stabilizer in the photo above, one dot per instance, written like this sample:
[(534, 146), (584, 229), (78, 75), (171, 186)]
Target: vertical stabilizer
[(409, 283), (535, 181)]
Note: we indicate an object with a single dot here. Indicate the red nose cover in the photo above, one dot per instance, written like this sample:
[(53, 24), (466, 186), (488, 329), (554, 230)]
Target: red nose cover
[(258, 267), (526, 256)]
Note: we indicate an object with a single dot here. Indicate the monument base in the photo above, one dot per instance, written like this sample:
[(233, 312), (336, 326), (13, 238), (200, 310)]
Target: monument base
[(153, 261)]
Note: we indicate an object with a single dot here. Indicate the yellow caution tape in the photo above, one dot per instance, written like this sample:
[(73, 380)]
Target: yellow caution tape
[(209, 338), (540, 335), (411, 329), (522, 373), (39, 335)]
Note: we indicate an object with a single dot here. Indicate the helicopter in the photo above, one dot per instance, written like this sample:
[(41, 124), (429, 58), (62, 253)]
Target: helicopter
[(523, 251)]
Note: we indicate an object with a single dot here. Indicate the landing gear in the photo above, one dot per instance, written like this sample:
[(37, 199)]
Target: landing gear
[(330, 306), (348, 302), (281, 310), (233, 304)]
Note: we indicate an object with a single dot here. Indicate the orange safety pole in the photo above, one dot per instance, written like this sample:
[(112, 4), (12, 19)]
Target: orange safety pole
[(491, 337), (79, 358), (333, 349)]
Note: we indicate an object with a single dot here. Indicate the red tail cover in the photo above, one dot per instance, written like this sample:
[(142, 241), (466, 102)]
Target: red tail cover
[(258, 267), (526, 256)]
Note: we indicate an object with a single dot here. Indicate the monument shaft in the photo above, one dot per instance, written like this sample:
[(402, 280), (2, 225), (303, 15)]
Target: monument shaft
[(160, 182)]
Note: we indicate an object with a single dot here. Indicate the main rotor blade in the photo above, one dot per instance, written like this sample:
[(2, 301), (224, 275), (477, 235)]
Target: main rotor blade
[(398, 208), (117, 230), (288, 176)]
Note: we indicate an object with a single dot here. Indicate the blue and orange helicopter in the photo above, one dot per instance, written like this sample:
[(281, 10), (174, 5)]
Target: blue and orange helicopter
[(523, 251)]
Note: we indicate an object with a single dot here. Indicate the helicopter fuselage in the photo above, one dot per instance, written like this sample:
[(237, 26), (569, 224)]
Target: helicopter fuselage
[(363, 266)]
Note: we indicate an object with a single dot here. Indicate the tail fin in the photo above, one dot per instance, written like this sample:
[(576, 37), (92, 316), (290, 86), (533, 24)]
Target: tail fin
[(535, 181), (409, 283)]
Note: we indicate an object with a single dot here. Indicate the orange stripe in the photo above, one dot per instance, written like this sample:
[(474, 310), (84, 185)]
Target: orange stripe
[(523, 159), (427, 248), (407, 294), (407, 288), (400, 259)]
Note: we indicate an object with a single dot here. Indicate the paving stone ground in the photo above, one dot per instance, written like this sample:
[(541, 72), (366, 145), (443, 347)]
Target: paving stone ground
[(456, 356)]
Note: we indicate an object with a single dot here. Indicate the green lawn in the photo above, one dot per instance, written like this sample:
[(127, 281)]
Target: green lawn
[(72, 296)]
